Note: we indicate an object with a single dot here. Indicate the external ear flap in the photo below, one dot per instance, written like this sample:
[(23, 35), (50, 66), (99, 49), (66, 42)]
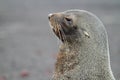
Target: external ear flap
[(86, 34)]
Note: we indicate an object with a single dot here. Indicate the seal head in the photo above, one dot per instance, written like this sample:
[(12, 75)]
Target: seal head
[(65, 26)]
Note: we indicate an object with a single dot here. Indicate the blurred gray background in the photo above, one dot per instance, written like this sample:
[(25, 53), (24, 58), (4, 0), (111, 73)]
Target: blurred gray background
[(28, 46)]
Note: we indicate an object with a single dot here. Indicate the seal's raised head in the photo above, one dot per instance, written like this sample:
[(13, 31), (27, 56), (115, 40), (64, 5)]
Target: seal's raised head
[(73, 24)]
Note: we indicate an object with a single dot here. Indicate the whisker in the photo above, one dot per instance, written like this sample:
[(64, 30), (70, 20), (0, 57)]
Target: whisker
[(58, 30), (64, 36)]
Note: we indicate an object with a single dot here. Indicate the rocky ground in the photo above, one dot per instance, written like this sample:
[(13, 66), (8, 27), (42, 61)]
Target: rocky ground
[(28, 46)]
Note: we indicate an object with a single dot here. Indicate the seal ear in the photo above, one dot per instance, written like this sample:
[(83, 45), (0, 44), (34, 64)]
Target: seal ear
[(86, 34)]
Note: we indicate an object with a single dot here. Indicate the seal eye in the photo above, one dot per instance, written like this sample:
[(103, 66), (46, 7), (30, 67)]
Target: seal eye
[(68, 19)]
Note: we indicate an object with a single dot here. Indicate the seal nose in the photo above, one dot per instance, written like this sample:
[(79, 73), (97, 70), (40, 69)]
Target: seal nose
[(49, 16)]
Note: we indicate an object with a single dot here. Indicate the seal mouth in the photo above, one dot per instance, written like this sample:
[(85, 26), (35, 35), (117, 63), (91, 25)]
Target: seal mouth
[(56, 27), (62, 26)]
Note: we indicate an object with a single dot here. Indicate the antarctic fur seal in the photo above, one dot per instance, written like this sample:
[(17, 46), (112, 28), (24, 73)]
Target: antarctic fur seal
[(84, 52)]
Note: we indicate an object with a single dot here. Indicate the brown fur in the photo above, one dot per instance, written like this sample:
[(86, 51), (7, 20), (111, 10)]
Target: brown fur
[(63, 60)]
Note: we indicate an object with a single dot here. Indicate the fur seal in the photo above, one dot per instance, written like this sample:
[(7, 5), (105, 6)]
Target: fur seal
[(84, 52)]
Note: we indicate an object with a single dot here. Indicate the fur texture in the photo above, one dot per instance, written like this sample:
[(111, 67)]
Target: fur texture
[(84, 54)]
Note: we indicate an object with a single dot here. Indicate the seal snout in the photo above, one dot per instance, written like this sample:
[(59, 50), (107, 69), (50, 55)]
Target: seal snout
[(50, 15), (54, 15)]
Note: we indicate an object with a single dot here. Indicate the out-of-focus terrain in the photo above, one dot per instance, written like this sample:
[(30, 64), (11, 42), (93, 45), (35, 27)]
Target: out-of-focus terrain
[(28, 46)]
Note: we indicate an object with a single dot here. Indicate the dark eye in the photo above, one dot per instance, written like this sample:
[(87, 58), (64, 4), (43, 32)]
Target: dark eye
[(68, 19)]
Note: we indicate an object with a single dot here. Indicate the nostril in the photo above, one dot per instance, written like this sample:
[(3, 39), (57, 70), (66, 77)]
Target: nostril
[(49, 16)]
